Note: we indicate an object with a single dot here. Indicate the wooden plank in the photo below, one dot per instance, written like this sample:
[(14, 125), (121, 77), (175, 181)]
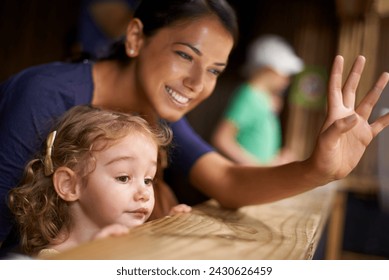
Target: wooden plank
[(287, 229)]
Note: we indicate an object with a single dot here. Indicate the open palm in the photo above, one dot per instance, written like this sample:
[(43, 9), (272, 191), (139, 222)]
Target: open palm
[(346, 132)]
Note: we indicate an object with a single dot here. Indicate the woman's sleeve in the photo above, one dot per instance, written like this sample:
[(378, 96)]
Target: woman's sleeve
[(187, 148), (187, 145)]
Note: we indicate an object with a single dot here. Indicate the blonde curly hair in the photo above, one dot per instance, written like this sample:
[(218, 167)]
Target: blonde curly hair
[(39, 211)]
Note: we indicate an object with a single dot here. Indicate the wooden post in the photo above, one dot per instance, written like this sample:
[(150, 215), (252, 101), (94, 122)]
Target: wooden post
[(359, 34)]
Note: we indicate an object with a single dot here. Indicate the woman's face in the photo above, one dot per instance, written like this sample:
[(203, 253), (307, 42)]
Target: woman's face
[(177, 68)]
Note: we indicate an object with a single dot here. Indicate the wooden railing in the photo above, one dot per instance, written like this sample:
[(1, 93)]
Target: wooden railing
[(286, 229)]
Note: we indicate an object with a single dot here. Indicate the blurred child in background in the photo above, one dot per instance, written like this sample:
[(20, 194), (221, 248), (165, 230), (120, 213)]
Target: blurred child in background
[(250, 131)]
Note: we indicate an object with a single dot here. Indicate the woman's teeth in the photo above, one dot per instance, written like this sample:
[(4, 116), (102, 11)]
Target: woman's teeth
[(177, 97)]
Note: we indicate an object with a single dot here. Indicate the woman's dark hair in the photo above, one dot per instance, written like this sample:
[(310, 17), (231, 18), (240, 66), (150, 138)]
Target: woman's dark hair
[(157, 14)]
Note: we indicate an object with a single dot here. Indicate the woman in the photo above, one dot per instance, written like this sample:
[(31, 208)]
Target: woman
[(173, 52)]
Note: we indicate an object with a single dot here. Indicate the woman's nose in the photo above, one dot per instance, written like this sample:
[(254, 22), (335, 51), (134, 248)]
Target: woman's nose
[(195, 80)]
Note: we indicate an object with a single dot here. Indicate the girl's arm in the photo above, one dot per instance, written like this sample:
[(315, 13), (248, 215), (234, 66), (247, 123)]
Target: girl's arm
[(180, 208)]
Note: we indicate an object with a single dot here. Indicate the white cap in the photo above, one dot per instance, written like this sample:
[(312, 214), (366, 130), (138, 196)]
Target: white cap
[(274, 52)]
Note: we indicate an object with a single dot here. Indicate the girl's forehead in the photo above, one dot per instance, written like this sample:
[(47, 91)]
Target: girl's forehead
[(131, 145), (139, 135), (131, 135)]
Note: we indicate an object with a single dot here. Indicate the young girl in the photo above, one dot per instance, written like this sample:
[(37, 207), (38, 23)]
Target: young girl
[(94, 179), (169, 62)]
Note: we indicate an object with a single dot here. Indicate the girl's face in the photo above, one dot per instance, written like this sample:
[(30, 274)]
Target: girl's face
[(278, 83), (120, 188), (177, 68)]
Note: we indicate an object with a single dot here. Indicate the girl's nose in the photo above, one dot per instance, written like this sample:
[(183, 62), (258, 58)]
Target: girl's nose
[(142, 194)]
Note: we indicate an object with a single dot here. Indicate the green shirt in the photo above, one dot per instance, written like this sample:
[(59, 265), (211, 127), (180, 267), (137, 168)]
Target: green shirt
[(259, 129)]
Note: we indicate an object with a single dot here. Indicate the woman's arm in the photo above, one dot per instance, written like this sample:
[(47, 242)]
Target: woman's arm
[(343, 139), (234, 185)]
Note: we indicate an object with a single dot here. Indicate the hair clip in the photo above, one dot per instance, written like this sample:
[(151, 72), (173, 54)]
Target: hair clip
[(49, 168)]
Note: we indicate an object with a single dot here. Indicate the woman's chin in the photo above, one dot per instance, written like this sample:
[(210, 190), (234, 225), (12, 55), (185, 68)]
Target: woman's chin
[(172, 116)]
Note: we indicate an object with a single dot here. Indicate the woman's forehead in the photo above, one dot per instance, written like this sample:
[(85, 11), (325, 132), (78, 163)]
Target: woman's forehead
[(201, 33), (209, 21)]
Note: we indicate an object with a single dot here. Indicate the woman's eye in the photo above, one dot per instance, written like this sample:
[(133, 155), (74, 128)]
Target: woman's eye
[(184, 55), (123, 179), (149, 181), (215, 72)]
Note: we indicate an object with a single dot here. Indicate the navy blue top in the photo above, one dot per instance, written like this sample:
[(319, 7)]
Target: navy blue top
[(33, 99)]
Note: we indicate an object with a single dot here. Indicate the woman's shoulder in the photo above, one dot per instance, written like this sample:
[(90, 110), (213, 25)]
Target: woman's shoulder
[(43, 81), (54, 71)]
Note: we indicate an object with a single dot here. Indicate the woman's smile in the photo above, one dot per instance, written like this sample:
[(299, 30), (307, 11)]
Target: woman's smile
[(176, 97)]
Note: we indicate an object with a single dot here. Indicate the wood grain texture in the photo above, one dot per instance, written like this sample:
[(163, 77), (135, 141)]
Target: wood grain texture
[(287, 229)]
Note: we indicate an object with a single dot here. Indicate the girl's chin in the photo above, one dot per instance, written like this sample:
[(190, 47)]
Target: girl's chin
[(133, 224)]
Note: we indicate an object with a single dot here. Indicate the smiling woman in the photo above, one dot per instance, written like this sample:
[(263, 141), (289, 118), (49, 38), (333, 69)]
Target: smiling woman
[(167, 65), (181, 63)]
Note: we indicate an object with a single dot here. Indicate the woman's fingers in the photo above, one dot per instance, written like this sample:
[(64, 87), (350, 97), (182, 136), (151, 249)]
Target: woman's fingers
[(333, 132), (380, 124), (344, 96), (367, 104), (335, 83), (352, 81), (345, 124)]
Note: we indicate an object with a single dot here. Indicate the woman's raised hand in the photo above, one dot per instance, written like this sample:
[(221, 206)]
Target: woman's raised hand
[(346, 132)]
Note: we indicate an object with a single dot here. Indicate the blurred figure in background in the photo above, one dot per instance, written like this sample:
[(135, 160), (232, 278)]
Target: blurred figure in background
[(250, 130), (101, 23)]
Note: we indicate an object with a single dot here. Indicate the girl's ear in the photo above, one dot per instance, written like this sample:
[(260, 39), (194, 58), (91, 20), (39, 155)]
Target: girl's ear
[(134, 37), (66, 183)]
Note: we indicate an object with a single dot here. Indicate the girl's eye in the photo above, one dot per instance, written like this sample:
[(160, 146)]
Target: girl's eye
[(184, 55), (149, 181), (123, 179)]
